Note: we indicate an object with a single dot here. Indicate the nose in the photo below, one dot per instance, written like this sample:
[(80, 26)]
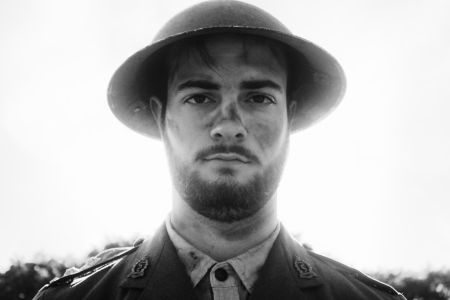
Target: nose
[(228, 131), (229, 127)]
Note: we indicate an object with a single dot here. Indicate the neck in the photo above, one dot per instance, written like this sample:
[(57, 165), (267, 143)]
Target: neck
[(220, 240)]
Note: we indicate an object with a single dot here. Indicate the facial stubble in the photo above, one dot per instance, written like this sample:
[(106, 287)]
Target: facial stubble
[(226, 199)]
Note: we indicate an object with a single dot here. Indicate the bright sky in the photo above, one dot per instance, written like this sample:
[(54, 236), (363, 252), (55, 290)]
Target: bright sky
[(369, 186)]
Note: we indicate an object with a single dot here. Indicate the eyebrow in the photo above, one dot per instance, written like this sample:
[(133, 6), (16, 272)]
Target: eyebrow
[(259, 84), (248, 85), (202, 84)]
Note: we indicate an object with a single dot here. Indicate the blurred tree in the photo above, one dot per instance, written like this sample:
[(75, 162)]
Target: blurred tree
[(434, 286), (23, 280)]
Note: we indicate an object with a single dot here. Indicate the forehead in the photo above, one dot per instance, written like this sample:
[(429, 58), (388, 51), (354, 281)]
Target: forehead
[(227, 53)]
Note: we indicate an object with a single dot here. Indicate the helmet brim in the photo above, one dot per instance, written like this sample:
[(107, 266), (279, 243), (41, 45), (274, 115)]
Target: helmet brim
[(315, 98)]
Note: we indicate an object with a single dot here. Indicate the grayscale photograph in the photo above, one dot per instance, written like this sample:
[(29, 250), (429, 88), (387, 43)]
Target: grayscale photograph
[(225, 150)]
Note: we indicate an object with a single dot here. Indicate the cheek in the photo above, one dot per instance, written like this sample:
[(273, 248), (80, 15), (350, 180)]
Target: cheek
[(173, 134), (182, 134), (267, 134), (171, 125)]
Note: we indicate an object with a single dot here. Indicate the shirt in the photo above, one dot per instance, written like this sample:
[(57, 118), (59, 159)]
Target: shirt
[(232, 279)]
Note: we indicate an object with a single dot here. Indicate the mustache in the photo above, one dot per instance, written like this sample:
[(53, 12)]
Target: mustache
[(227, 149)]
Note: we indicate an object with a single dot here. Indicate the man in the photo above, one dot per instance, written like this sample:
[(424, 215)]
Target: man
[(223, 85)]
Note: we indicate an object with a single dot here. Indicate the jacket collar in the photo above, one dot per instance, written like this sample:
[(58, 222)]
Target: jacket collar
[(288, 272), (165, 276)]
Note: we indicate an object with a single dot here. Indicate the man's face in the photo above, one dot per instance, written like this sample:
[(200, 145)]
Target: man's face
[(226, 126)]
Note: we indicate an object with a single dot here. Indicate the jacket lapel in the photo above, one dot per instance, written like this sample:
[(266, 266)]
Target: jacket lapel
[(287, 273), (166, 277)]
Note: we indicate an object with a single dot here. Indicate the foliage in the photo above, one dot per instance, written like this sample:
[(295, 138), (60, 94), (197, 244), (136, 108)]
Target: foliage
[(23, 280), (434, 286)]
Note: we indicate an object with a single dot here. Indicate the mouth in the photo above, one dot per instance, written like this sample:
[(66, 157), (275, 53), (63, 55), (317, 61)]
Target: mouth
[(228, 156)]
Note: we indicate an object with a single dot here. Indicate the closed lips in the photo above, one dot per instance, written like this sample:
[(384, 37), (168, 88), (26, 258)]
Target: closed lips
[(228, 157)]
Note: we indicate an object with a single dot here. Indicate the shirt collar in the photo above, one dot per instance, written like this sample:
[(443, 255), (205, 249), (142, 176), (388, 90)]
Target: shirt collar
[(246, 265)]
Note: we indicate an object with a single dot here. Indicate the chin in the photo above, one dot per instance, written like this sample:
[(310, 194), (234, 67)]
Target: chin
[(228, 175), (227, 192), (225, 196)]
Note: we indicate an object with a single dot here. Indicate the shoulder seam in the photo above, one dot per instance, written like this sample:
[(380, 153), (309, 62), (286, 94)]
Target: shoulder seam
[(375, 283), (360, 276), (69, 278)]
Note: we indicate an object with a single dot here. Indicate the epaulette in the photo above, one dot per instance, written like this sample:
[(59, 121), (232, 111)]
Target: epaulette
[(101, 261), (358, 275), (375, 283)]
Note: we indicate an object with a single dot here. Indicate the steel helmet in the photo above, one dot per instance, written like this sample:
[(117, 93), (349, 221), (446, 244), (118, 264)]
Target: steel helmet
[(139, 76)]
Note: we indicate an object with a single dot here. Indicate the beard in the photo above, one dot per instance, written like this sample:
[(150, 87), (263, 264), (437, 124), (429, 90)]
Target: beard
[(226, 199)]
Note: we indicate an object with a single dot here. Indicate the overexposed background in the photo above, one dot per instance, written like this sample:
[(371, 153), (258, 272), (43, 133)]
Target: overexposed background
[(369, 186)]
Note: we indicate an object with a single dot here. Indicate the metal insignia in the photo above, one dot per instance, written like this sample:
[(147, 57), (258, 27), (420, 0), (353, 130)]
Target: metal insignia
[(304, 270), (138, 270)]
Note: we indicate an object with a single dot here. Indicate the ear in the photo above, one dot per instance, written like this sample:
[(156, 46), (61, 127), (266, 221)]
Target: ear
[(156, 106), (292, 109)]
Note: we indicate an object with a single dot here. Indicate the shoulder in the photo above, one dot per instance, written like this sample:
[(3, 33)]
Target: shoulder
[(94, 267), (339, 276), (109, 255), (94, 264)]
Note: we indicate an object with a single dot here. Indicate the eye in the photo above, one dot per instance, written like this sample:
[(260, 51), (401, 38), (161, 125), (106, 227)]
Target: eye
[(198, 99), (261, 99)]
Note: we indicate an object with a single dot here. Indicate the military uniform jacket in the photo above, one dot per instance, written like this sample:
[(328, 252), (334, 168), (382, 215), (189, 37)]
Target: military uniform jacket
[(153, 271)]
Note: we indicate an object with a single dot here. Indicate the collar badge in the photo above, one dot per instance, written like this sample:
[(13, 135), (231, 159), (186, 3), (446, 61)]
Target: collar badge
[(138, 270), (304, 270)]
